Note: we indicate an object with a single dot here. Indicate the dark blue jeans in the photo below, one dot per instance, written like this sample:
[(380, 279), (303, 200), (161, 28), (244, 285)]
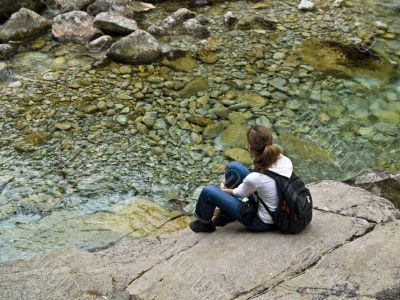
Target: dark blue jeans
[(212, 197)]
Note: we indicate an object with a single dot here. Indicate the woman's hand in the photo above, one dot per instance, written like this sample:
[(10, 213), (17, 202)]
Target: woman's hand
[(229, 191), (222, 185)]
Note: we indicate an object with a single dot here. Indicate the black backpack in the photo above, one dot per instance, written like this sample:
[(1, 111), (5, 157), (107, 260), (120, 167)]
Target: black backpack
[(295, 206)]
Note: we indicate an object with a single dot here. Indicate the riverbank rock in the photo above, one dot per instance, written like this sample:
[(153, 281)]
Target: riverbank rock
[(127, 8), (8, 7), (140, 47), (380, 183), (114, 23), (22, 25), (100, 44), (70, 5), (6, 51), (74, 26), (341, 254)]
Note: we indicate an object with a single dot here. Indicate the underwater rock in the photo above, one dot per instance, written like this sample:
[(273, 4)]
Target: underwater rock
[(193, 87), (31, 141), (303, 149), (213, 130), (343, 59), (183, 64), (22, 25), (234, 137), (252, 99), (74, 26), (140, 47), (241, 155), (207, 56)]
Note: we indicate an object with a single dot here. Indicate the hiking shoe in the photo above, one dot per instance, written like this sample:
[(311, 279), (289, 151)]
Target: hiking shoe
[(222, 220), (198, 226)]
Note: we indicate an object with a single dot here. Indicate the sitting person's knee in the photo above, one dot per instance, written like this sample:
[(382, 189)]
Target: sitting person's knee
[(233, 165), (209, 188)]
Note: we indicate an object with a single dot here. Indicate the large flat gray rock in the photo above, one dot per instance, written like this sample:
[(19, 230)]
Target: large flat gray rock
[(338, 197), (367, 268), (232, 261), (345, 252)]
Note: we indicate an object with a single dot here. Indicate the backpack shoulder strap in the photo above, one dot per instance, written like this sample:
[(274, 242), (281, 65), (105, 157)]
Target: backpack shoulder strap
[(263, 204)]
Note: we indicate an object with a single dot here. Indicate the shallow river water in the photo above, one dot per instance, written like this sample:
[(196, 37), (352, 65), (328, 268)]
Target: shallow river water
[(83, 139)]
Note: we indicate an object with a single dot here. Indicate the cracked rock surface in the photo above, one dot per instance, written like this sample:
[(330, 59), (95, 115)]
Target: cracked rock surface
[(349, 251)]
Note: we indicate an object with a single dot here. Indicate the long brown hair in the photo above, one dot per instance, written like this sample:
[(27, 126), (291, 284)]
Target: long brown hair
[(265, 154)]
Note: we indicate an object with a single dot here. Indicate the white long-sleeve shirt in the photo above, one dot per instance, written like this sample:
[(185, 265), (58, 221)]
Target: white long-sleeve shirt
[(265, 186)]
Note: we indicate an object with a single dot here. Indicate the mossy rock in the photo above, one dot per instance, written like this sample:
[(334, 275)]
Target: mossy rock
[(207, 56), (303, 149), (183, 64), (252, 99), (29, 142), (213, 130), (391, 117), (240, 155), (239, 117), (343, 59), (234, 137), (193, 87)]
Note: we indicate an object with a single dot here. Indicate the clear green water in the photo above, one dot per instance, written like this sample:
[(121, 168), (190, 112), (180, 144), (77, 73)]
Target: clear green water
[(333, 126)]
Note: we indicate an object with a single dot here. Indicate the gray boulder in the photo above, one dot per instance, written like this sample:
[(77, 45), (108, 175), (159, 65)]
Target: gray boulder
[(195, 28), (70, 5), (127, 8), (8, 7), (140, 47), (380, 183), (340, 255), (6, 51), (74, 26), (22, 25), (115, 23)]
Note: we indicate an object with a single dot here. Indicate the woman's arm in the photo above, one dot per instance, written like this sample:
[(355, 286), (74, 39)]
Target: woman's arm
[(229, 191)]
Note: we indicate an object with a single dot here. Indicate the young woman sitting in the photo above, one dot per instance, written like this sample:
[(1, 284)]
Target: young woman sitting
[(241, 183)]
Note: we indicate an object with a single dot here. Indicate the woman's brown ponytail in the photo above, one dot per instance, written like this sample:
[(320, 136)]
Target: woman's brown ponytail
[(265, 154)]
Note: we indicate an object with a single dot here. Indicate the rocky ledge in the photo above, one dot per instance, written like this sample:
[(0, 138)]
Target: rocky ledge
[(349, 251)]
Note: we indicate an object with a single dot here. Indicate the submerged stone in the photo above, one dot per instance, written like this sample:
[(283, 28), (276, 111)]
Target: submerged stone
[(31, 141), (213, 130), (344, 59), (240, 155), (207, 56), (303, 149), (391, 117), (183, 64), (252, 99), (234, 136), (193, 87)]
